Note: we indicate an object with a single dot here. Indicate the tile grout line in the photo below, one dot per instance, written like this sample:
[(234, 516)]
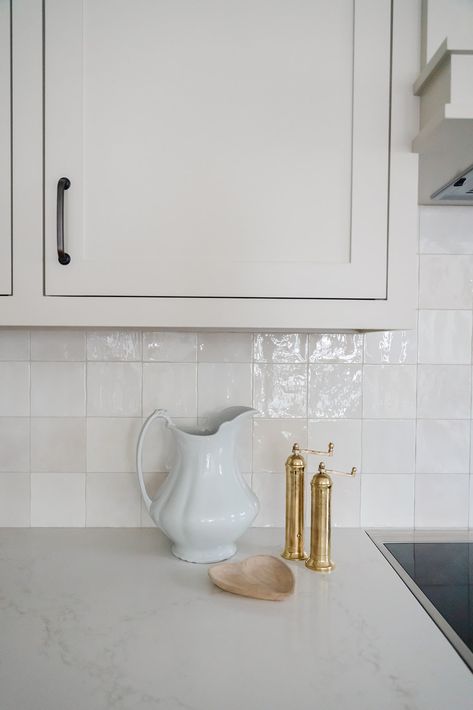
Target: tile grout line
[(197, 377), (470, 490), (307, 391), (86, 486), (141, 332), (252, 363), (362, 427), (29, 423), (252, 360), (414, 507)]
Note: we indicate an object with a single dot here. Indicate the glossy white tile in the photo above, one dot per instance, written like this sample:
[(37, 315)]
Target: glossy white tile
[(446, 282), (442, 501), (443, 446), (14, 389), (270, 489), (471, 449), (389, 391), (387, 500), (345, 434), (170, 386), (120, 345), (334, 391), (335, 347), (244, 447), (443, 392), (114, 389), (111, 444), (167, 346), (445, 337), (273, 440), (389, 446), (14, 344), (113, 500), (60, 441), (346, 502), (57, 389), (224, 347), (14, 444), (14, 500), (58, 444), (470, 516), (280, 347), (280, 390), (446, 230), (222, 385), (57, 344), (58, 500), (390, 347)]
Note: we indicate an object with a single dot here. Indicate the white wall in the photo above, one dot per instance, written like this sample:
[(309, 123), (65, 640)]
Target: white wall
[(396, 405)]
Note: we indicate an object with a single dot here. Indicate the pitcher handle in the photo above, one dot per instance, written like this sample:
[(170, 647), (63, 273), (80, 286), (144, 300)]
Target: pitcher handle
[(157, 414)]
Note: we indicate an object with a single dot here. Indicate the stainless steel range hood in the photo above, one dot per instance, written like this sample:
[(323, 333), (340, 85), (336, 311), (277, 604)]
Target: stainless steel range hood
[(460, 189)]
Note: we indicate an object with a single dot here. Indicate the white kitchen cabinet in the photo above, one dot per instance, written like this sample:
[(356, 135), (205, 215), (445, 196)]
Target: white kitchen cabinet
[(218, 149), (232, 164), (5, 151)]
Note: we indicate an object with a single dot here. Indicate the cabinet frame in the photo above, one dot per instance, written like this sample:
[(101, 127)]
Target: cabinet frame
[(30, 307), (6, 236)]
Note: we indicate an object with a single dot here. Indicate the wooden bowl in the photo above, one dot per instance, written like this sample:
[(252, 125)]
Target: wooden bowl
[(260, 577)]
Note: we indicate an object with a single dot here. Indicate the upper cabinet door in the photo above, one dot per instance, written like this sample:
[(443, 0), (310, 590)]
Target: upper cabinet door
[(218, 148), (5, 150)]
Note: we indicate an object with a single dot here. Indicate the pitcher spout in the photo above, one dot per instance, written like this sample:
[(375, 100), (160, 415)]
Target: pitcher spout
[(232, 416)]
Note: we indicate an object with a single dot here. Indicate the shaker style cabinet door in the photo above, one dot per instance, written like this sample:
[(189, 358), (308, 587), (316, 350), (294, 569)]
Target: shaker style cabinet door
[(5, 151), (217, 148)]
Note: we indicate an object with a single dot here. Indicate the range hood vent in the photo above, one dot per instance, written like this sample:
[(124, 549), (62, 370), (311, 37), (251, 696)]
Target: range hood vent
[(459, 189)]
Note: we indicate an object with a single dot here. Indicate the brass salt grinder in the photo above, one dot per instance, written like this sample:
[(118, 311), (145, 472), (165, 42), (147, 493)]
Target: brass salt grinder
[(295, 467), (321, 525), (321, 493)]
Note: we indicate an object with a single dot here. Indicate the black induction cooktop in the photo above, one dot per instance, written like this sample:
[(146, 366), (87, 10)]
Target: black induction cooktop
[(440, 575)]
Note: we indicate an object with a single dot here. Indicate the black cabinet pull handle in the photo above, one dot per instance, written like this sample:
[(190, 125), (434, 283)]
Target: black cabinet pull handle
[(63, 184)]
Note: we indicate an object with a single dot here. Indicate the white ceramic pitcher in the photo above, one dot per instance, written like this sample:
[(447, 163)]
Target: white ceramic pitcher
[(205, 504)]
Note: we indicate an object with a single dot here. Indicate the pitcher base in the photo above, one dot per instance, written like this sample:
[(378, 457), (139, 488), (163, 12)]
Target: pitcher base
[(213, 554)]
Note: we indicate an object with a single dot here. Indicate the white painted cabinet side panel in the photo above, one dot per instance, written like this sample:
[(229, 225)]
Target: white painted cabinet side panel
[(5, 150)]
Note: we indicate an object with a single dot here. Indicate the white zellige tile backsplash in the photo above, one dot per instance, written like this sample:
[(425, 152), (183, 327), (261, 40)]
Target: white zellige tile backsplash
[(398, 405)]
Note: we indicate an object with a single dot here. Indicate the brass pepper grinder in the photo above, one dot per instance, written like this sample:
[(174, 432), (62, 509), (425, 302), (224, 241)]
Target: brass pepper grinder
[(295, 466), (321, 528)]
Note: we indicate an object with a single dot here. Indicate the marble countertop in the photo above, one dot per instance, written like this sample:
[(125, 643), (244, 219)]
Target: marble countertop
[(98, 619)]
